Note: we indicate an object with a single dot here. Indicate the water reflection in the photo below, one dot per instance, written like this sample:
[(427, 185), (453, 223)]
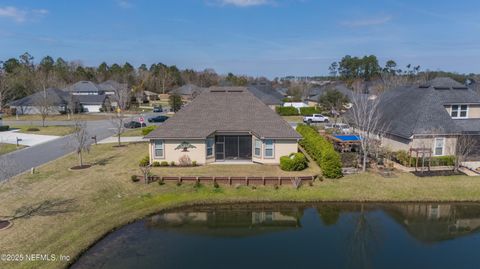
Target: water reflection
[(284, 235)]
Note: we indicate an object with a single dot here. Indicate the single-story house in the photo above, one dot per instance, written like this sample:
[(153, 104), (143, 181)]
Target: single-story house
[(188, 91), (430, 116), (151, 96), (54, 100), (315, 93), (224, 124), (93, 103), (108, 87)]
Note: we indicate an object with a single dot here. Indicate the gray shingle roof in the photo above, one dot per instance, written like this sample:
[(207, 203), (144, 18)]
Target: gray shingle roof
[(315, 93), (267, 94), (83, 86), (225, 109), (421, 110), (56, 96), (188, 89)]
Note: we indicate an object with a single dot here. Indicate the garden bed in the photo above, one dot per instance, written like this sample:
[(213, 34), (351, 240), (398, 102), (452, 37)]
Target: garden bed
[(437, 173)]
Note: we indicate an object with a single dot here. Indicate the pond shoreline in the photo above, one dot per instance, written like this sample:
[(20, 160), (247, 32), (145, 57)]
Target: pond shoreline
[(307, 203)]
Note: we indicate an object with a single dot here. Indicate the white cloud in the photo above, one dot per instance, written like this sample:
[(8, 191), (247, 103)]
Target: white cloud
[(124, 3), (13, 13), (21, 15), (245, 3), (367, 22)]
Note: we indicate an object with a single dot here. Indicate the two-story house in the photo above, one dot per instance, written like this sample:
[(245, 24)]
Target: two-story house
[(429, 116)]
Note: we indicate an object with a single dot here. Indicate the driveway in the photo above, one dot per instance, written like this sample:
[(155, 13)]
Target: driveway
[(10, 137), (22, 160)]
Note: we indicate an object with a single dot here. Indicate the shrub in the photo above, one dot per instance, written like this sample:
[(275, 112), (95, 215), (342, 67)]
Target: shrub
[(164, 163), (194, 163), (215, 185), (286, 110), (276, 186), (172, 163), (4, 128), (155, 164), (184, 161), (161, 182), (293, 162), (33, 129), (148, 129), (321, 150), (179, 183), (144, 161), (134, 178), (309, 110), (197, 185), (403, 158)]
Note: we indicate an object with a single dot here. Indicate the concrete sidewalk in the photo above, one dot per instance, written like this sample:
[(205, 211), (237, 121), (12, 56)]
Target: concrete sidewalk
[(126, 139), (10, 137)]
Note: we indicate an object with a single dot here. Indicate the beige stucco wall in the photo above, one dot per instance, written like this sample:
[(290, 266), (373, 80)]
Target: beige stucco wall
[(428, 142), (282, 147), (171, 154)]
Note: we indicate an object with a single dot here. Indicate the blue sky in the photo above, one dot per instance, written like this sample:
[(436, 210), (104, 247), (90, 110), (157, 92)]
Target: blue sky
[(252, 37)]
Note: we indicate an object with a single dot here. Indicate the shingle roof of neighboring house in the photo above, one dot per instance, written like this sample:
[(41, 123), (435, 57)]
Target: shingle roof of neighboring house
[(413, 110), (225, 109), (267, 94), (83, 86), (188, 89), (90, 99), (111, 86), (315, 93), (55, 96)]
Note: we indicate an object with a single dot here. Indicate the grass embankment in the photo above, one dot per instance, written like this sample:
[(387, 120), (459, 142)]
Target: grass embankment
[(47, 130), (67, 211), (296, 119), (6, 148)]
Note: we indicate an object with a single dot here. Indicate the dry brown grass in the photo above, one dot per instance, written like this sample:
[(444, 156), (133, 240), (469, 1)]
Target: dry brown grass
[(47, 130), (6, 148), (87, 117), (69, 210)]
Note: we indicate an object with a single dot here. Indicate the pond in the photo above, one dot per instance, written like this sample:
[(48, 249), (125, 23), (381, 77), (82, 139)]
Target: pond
[(281, 235)]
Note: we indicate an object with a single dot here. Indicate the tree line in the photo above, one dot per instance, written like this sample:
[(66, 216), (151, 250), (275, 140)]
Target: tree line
[(22, 76)]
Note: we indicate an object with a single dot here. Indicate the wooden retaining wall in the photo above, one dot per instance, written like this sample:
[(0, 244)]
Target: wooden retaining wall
[(248, 181)]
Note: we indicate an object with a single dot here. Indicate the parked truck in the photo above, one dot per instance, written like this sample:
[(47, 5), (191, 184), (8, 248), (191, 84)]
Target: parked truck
[(315, 118)]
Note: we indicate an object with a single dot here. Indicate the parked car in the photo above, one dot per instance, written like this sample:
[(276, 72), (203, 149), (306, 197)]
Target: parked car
[(341, 127), (315, 118), (134, 124), (158, 119), (157, 109)]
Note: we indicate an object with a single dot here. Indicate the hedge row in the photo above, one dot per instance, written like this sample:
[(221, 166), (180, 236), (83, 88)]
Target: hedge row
[(286, 110), (293, 162), (402, 157), (321, 150), (304, 111), (4, 128)]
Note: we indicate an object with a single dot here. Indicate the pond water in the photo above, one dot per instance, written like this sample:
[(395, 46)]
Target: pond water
[(296, 236)]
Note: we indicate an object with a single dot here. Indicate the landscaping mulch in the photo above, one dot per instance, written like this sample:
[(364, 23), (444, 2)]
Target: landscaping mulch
[(437, 173), (80, 167)]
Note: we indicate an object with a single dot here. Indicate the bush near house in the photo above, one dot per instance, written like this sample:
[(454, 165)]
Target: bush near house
[(293, 162), (148, 129), (403, 158), (4, 128), (144, 161), (321, 150), (309, 110), (286, 111)]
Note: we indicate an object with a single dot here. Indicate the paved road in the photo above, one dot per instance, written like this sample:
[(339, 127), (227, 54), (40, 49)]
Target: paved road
[(24, 159)]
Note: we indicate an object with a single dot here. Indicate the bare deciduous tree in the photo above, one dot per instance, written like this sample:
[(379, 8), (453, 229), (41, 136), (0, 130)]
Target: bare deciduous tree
[(122, 98), (80, 139), (365, 116), (145, 172), (464, 146), (44, 103)]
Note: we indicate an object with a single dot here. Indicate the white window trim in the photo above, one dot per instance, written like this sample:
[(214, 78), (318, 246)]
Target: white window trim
[(459, 111), (155, 156), (435, 146), (265, 156), (255, 147), (213, 147)]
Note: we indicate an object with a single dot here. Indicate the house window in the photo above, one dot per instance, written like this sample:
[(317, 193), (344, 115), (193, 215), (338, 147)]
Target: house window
[(459, 111), (210, 142), (258, 148), (269, 148), (439, 146), (158, 148)]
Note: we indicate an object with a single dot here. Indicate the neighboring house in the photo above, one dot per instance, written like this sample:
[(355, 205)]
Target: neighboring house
[(151, 96), (263, 90), (93, 103), (55, 100), (188, 92), (224, 124), (315, 93), (84, 88), (429, 116)]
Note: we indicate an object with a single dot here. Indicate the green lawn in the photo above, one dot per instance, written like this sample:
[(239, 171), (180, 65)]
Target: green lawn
[(6, 148), (296, 119), (69, 210), (47, 130)]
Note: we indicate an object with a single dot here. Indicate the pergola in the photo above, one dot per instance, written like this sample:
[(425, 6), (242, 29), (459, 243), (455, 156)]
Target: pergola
[(423, 153)]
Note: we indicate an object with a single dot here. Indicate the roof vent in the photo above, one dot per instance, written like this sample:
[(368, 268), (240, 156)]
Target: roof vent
[(441, 88), (425, 86), (235, 90), (217, 91), (460, 88)]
